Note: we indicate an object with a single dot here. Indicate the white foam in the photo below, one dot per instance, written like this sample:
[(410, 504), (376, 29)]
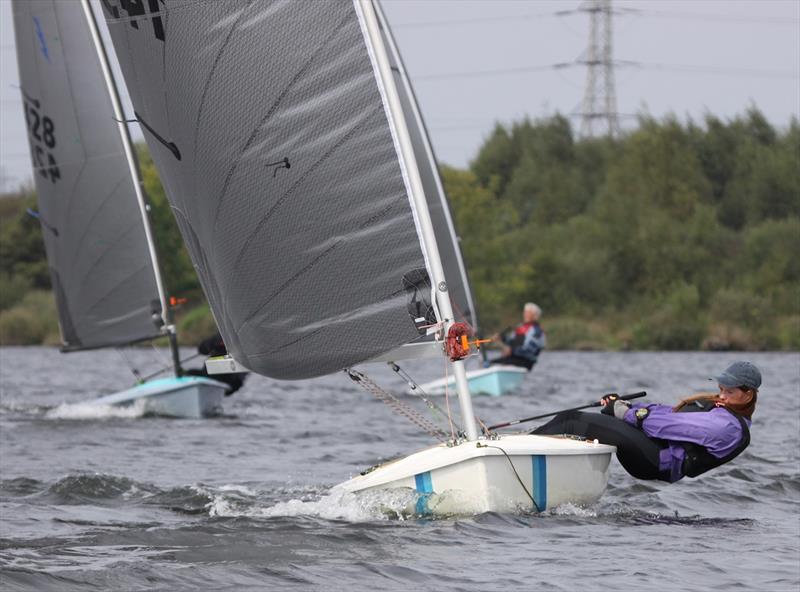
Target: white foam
[(573, 510), (336, 505), (95, 411), (238, 489), (219, 506)]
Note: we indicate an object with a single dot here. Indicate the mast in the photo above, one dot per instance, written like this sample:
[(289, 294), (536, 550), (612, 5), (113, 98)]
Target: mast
[(368, 18), (163, 319)]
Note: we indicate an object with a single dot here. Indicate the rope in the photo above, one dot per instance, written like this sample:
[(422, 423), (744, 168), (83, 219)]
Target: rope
[(447, 400), (513, 468), (398, 406), (483, 426)]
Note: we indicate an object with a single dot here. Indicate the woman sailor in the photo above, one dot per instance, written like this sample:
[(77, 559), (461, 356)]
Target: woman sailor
[(667, 443)]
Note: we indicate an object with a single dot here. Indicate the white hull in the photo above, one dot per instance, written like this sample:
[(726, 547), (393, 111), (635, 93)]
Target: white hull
[(190, 397), (476, 477)]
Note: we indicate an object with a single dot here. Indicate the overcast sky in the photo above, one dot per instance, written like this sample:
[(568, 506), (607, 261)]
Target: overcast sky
[(476, 62)]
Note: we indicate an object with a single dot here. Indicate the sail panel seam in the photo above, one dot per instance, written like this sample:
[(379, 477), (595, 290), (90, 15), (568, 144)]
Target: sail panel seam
[(372, 219), (88, 225), (269, 114)]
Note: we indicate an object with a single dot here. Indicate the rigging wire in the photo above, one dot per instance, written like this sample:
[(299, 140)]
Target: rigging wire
[(132, 368), (394, 403), (418, 391), (162, 359), (169, 366)]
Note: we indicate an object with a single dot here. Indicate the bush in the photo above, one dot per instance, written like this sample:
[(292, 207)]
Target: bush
[(579, 334), (788, 333), (744, 321), (33, 321), (739, 307), (725, 336), (12, 289), (196, 325), (676, 325)]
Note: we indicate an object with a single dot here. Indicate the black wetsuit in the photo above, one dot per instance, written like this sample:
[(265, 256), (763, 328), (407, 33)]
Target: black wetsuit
[(215, 346), (636, 452)]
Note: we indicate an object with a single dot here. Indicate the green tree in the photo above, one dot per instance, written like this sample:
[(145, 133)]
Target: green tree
[(487, 244), (176, 265), (22, 254)]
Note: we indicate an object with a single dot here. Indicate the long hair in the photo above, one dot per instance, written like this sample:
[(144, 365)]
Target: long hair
[(745, 409)]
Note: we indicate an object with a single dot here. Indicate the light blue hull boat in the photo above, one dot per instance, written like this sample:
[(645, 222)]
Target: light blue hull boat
[(191, 397), (493, 381)]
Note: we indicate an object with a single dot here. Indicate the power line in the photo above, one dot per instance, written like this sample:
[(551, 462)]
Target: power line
[(758, 72), (690, 68), (480, 73), (729, 18), (473, 21), (638, 12)]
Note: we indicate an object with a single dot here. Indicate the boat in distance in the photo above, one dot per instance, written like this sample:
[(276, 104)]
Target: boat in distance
[(189, 397), (493, 381)]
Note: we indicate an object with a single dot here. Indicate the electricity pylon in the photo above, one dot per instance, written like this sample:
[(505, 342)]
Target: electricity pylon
[(600, 98)]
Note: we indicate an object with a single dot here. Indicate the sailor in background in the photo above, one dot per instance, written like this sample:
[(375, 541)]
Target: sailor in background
[(667, 443), (214, 346), (521, 347)]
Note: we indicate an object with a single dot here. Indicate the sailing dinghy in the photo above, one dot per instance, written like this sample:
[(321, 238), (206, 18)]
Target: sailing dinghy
[(493, 381), (92, 209), (285, 136)]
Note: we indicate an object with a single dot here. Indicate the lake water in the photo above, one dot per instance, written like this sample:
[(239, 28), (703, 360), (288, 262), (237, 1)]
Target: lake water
[(109, 500)]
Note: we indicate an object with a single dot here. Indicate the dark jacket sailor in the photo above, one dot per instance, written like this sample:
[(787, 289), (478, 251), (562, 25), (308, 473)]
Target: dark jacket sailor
[(667, 443), (214, 346), (522, 346)]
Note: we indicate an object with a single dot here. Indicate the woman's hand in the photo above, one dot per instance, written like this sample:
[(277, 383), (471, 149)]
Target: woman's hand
[(614, 406)]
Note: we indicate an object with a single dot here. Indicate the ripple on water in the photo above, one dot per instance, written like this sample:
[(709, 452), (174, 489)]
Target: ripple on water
[(244, 502)]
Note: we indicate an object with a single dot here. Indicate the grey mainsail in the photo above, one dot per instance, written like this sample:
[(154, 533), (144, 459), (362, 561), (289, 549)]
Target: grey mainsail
[(446, 236), (104, 277), (268, 126)]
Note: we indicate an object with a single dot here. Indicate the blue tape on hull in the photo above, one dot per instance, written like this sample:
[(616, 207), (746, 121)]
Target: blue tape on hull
[(424, 487), (539, 465)]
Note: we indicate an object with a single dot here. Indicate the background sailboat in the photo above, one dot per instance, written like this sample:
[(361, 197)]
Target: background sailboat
[(100, 249), (288, 156)]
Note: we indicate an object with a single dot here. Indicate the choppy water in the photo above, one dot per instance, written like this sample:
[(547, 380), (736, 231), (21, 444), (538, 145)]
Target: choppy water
[(115, 501)]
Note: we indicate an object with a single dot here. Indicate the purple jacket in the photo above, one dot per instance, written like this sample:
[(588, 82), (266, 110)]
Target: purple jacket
[(717, 430)]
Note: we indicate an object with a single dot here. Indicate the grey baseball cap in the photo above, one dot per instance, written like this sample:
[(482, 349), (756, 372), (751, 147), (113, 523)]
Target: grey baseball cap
[(739, 374)]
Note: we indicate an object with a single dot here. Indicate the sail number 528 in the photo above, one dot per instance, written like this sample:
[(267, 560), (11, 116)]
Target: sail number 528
[(42, 131)]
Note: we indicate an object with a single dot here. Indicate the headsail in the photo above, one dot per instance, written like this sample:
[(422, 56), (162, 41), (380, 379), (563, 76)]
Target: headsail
[(268, 126), (104, 278)]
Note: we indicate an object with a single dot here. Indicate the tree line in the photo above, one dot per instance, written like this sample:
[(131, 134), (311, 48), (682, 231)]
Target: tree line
[(673, 236)]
